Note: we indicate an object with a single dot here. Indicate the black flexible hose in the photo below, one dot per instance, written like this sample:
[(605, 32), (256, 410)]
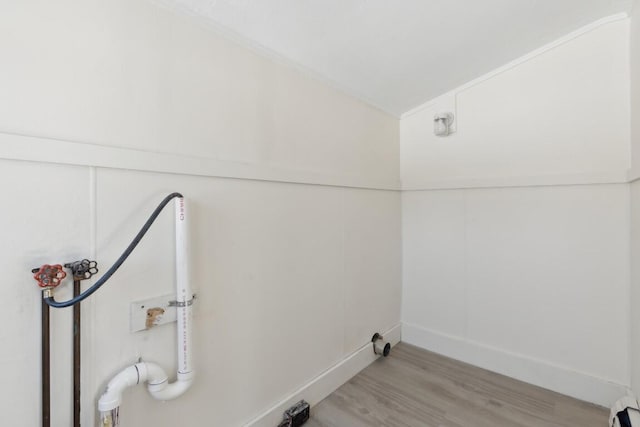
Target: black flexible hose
[(119, 261)]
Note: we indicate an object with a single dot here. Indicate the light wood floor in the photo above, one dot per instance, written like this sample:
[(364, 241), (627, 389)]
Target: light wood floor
[(417, 388)]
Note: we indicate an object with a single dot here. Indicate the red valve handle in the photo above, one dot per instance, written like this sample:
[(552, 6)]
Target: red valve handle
[(49, 276)]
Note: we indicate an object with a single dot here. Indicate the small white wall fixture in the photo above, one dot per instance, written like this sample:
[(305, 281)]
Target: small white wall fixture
[(442, 124)]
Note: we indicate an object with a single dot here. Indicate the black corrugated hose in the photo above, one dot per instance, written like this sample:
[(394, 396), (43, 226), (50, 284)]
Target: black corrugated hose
[(107, 275)]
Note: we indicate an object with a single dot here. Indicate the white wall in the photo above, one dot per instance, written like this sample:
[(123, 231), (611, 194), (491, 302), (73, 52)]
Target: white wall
[(635, 197), (286, 277), (130, 74), (46, 213), (561, 116), (291, 278), (635, 87), (531, 280), (635, 287)]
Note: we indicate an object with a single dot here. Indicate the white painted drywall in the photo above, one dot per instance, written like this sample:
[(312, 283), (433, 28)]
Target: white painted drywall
[(635, 198), (635, 287), (132, 74), (45, 213), (635, 87), (531, 281), (561, 116), (292, 278), (283, 293), (537, 275)]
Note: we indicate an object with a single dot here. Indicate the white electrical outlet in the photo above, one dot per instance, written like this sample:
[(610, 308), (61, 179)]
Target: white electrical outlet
[(149, 313)]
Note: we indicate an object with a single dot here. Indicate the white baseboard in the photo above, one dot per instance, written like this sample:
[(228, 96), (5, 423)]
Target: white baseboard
[(543, 374), (325, 383)]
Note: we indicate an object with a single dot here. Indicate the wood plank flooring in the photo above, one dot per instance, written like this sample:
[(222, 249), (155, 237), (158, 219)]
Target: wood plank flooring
[(417, 388)]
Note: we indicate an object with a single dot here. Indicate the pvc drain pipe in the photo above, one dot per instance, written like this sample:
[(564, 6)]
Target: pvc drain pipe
[(157, 380)]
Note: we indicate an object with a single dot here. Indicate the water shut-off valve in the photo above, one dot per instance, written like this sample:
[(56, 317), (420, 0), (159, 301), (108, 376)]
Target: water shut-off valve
[(50, 276), (82, 270)]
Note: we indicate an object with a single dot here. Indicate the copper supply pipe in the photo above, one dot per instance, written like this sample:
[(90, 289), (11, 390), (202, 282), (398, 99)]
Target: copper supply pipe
[(76, 356), (46, 368)]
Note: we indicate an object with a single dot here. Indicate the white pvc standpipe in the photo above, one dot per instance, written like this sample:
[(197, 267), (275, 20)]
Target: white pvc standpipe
[(184, 299), (183, 292), (156, 378)]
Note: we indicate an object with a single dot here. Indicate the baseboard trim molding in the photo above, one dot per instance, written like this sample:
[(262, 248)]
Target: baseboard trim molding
[(51, 150), (543, 374), (326, 383)]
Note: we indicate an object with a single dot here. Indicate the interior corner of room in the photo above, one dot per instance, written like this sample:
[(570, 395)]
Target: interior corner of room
[(480, 209)]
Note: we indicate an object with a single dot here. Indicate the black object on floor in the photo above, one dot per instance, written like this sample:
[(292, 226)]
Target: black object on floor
[(296, 416)]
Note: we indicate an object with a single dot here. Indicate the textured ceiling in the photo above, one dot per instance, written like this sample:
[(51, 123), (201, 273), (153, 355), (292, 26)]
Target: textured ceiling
[(398, 54)]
